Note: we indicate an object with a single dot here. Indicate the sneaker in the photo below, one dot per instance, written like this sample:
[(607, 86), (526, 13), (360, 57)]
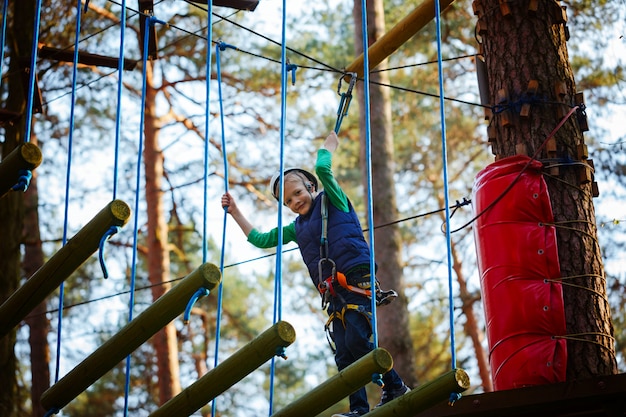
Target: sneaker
[(348, 414), (385, 297), (392, 394)]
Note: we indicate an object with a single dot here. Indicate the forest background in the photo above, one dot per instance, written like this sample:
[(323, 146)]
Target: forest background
[(320, 38)]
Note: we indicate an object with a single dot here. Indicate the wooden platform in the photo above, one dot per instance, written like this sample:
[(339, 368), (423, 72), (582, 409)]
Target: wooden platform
[(598, 397)]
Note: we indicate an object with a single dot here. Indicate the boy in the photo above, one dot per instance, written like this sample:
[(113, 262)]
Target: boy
[(340, 268)]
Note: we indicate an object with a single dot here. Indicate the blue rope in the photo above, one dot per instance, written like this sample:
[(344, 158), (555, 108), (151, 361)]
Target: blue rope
[(292, 68), (279, 249), (120, 86), (200, 292), (454, 397), (67, 183), (209, 57), (51, 412), (368, 158), (23, 181), (444, 158), (149, 21), (207, 130), (220, 46), (120, 69), (107, 235), (31, 81), (3, 34)]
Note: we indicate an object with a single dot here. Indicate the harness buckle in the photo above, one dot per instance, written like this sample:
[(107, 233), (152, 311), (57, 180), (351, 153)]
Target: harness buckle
[(325, 286)]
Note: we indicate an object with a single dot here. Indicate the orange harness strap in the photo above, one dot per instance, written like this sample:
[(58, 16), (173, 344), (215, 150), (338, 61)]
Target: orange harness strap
[(327, 285)]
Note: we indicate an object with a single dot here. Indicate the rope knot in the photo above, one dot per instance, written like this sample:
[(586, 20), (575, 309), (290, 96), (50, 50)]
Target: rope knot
[(378, 380), (454, 396), (281, 352), (23, 181), (292, 68)]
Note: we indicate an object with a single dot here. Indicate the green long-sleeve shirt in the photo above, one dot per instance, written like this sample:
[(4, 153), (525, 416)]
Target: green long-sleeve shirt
[(336, 197)]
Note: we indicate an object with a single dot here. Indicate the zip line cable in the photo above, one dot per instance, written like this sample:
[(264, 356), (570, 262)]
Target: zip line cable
[(419, 64)]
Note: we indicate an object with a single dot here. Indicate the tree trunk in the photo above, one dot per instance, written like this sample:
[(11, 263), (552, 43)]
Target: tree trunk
[(20, 37), (393, 320), (521, 42), (37, 321), (164, 341)]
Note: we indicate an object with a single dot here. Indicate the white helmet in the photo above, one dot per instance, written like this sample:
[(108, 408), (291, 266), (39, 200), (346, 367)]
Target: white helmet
[(276, 177)]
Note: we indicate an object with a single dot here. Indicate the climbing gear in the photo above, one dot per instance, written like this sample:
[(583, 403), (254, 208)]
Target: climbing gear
[(392, 394), (276, 177), (339, 315), (346, 99), (325, 285)]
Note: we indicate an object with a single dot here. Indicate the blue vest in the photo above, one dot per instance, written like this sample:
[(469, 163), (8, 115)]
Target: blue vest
[(346, 245)]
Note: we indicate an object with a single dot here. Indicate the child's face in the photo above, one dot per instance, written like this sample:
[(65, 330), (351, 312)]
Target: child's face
[(297, 197)]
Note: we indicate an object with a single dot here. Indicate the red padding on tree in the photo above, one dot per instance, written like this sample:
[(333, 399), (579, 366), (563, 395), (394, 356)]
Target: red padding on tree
[(519, 264)]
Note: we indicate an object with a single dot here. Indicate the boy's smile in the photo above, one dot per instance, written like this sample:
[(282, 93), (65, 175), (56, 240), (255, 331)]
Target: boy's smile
[(297, 197)]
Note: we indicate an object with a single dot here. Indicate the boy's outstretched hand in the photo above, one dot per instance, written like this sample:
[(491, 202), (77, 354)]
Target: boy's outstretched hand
[(332, 142)]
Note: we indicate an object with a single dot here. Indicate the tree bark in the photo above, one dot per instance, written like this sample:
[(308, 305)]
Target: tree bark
[(20, 37), (164, 341), (393, 320), (524, 41)]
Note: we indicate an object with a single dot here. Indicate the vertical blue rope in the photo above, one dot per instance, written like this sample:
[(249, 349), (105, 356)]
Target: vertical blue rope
[(31, 81), (120, 86), (281, 197), (218, 324), (207, 115), (3, 35), (444, 158), (67, 187), (368, 159), (149, 21)]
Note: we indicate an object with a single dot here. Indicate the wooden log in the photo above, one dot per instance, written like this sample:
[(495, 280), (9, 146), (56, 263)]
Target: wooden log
[(58, 268), (84, 58), (27, 156), (248, 5), (130, 337), (229, 372), (397, 36), (425, 396), (340, 386)]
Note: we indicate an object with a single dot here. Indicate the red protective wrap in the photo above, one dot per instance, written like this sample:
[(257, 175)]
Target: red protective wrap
[(519, 275)]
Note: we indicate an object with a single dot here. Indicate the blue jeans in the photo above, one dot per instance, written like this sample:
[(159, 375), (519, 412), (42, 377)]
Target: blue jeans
[(353, 342)]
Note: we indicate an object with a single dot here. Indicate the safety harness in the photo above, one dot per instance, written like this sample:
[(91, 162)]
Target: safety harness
[(325, 285)]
